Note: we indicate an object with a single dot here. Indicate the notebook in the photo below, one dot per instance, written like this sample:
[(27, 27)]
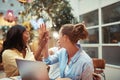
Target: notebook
[(32, 70)]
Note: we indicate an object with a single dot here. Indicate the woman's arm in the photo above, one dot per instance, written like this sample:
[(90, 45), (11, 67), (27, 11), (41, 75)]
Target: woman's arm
[(43, 43), (88, 72)]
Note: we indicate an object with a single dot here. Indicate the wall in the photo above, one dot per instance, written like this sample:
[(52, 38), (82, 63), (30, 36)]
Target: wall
[(75, 7), (4, 6), (112, 72)]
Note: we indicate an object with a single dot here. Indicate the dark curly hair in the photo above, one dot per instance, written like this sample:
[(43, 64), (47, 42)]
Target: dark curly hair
[(14, 39)]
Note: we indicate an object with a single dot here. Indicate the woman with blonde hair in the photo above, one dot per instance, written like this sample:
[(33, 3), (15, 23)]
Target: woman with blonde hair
[(74, 62)]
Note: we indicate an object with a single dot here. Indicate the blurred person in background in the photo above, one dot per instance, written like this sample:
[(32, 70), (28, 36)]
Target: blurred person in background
[(54, 71)]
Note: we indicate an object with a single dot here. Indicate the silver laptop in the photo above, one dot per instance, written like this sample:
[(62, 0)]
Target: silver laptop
[(32, 70)]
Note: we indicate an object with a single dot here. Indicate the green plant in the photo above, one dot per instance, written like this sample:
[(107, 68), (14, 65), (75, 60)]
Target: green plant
[(55, 12)]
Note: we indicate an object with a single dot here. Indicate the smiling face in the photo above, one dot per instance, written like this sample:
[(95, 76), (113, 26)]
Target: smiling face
[(26, 36)]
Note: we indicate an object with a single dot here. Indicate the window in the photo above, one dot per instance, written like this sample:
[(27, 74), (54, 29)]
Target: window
[(91, 51), (93, 36), (91, 18), (103, 25), (111, 13), (111, 54), (111, 34)]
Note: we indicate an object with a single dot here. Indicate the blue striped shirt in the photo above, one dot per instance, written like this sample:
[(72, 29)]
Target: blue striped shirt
[(80, 66)]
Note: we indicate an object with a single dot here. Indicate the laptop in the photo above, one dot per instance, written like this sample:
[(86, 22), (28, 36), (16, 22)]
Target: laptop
[(32, 70)]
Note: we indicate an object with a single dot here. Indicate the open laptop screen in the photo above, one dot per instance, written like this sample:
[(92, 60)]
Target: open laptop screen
[(32, 70)]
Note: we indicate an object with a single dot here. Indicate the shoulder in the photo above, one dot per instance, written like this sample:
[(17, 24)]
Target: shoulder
[(85, 61), (62, 50), (85, 57), (10, 53), (54, 49)]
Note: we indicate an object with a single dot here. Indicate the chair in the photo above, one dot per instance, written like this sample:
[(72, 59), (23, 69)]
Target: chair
[(99, 66), (96, 76)]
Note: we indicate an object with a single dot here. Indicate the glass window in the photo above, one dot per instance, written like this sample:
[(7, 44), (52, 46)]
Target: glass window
[(111, 54), (111, 13), (111, 34), (91, 51), (91, 18), (93, 36)]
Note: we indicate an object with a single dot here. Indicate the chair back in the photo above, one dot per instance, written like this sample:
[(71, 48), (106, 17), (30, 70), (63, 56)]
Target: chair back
[(99, 63), (99, 66), (96, 76)]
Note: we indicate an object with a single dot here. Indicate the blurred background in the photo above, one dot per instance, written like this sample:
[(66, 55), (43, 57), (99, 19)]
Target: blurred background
[(102, 18)]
